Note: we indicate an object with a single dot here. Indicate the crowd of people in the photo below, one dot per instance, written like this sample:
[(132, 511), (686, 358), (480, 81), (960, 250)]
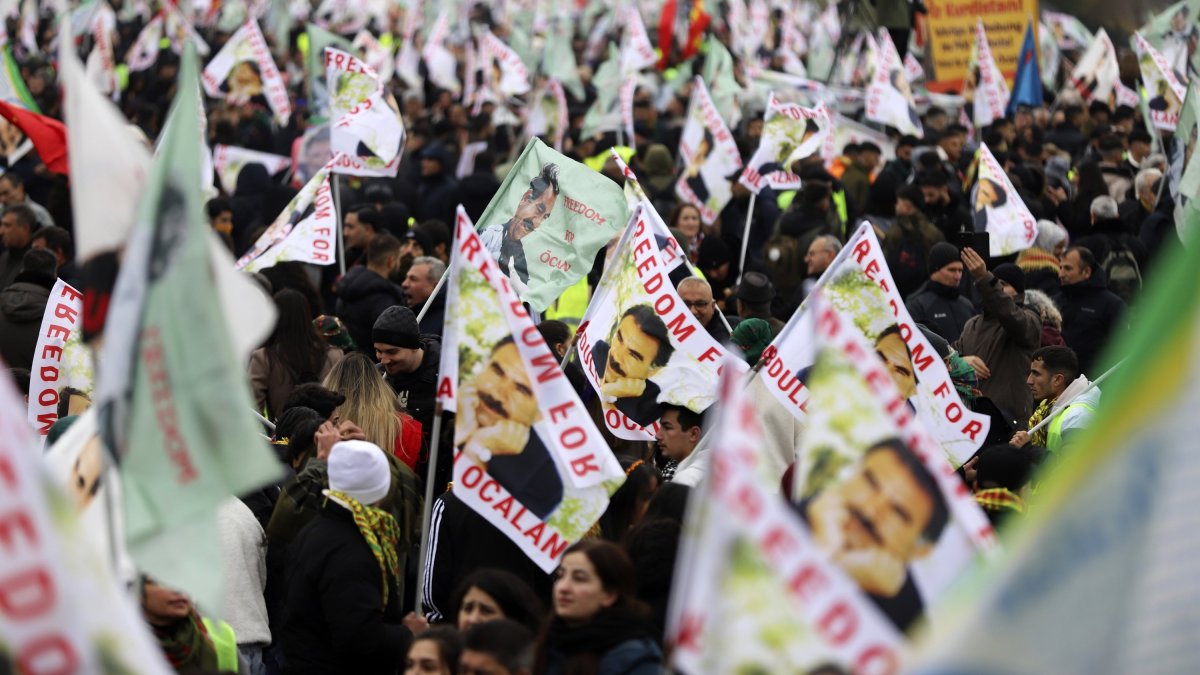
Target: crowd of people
[(326, 561)]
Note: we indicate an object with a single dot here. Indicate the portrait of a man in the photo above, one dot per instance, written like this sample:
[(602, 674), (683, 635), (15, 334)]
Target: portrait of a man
[(638, 347), (503, 240)]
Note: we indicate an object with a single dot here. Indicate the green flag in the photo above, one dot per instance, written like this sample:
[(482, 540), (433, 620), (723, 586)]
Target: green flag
[(548, 220), (1172, 32), (174, 403), (12, 87), (605, 115), (722, 84), (318, 90), (559, 59)]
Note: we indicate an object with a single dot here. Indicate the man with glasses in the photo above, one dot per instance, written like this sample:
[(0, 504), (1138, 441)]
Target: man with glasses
[(698, 296)]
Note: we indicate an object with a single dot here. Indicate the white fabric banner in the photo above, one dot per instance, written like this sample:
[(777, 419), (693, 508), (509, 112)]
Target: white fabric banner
[(60, 359), (245, 68), (228, 161), (790, 133), (365, 123), (710, 157), (889, 96), (1165, 91), (1097, 71), (991, 91), (998, 209)]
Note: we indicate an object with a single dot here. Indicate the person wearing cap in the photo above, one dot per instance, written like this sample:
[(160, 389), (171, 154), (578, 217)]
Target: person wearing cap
[(408, 360), (503, 240), (754, 296), (1000, 342), (752, 336), (907, 243), (366, 290), (938, 303), (716, 263), (343, 611), (948, 212), (437, 191)]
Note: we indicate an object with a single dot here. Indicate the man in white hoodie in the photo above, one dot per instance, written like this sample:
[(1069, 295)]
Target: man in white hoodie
[(1057, 385)]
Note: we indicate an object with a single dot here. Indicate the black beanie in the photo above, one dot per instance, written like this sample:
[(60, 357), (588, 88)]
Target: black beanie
[(942, 254), (1012, 275), (397, 326)]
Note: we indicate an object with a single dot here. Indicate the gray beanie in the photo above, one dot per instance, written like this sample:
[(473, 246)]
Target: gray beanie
[(397, 326)]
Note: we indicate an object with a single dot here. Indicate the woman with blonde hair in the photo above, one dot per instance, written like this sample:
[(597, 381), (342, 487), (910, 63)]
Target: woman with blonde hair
[(372, 405)]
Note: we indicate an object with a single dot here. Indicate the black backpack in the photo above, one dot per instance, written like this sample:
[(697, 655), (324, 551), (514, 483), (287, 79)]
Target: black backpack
[(1124, 274)]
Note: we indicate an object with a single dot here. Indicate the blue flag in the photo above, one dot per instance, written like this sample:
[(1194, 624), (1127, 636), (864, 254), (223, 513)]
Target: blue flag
[(1027, 87)]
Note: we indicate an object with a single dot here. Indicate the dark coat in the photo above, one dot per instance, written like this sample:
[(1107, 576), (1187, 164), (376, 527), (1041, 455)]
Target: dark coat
[(362, 297), (437, 197), (1005, 337), (435, 318), (476, 192), (22, 305), (941, 309), (416, 390), (639, 656), (1090, 315), (332, 622)]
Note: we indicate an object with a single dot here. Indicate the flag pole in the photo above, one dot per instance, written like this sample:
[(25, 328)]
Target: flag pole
[(746, 237), (337, 209), (427, 507), (1095, 383), (436, 289)]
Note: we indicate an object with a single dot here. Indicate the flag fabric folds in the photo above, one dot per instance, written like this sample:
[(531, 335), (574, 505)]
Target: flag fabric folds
[(710, 156), (998, 209), (1027, 86), (49, 136)]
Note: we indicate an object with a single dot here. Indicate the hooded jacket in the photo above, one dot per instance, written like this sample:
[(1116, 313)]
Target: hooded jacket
[(1004, 337), (1077, 417), (362, 297), (1090, 313), (22, 305)]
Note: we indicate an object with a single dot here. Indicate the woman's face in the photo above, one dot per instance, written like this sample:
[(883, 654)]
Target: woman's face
[(579, 594), (425, 659), (987, 194), (689, 222), (477, 607)]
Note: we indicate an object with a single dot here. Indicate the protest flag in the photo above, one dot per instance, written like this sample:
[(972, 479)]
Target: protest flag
[(1027, 87), (312, 207), (228, 161), (144, 51), (173, 402), (723, 87), (441, 64), (790, 133), (12, 86), (366, 134), (548, 114), (64, 612), (1097, 70), (999, 210), (604, 114), (844, 131), (1068, 31), (513, 79), (889, 96), (683, 24), (991, 91), (377, 55), (558, 60), (1173, 32), (1108, 549), (527, 456), (675, 361), (710, 156), (1165, 93), (1049, 58), (60, 358), (315, 74), (48, 135), (547, 221), (1184, 174), (636, 51), (245, 69)]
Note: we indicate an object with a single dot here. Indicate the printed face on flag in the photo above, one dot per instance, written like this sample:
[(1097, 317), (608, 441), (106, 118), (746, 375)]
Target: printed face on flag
[(790, 133), (710, 157), (527, 456), (1097, 71), (1166, 93), (640, 344), (999, 210)]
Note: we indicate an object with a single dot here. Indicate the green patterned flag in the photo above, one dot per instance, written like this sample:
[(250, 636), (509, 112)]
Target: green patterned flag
[(605, 113), (548, 220), (12, 87), (174, 405)]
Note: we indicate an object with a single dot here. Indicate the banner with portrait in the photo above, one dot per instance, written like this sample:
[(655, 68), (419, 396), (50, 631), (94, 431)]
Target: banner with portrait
[(244, 70), (1166, 94), (510, 77), (1097, 71), (889, 96), (365, 124), (313, 201), (547, 221), (710, 157), (527, 456), (636, 51), (986, 82), (858, 280), (998, 209), (846, 131), (228, 161), (547, 115), (639, 344), (790, 133)]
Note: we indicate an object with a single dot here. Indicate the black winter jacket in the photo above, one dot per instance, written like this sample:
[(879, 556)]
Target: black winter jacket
[(1090, 313), (941, 309), (362, 297)]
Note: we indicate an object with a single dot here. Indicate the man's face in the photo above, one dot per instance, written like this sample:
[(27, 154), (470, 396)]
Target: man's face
[(673, 440), (41, 243), (953, 145), (1023, 119), (1072, 270), (631, 353), (417, 286), (531, 213), (1138, 150), (895, 356), (905, 208), (870, 159), (986, 195), (12, 232), (10, 194), (885, 508), (718, 273), (357, 235), (1008, 289), (950, 275), (504, 390), (699, 299), (818, 258), (223, 223), (411, 249), (398, 360), (480, 663), (935, 194), (1042, 383)]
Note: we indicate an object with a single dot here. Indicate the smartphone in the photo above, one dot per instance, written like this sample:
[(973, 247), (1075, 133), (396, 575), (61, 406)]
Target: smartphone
[(979, 241)]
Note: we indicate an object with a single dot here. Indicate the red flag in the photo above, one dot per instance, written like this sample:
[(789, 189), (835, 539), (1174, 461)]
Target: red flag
[(666, 32), (698, 21), (49, 136)]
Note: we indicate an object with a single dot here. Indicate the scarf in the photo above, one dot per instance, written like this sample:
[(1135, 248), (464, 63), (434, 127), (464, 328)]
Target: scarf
[(1038, 437), (965, 380), (586, 644), (186, 644), (380, 530), (1000, 499)]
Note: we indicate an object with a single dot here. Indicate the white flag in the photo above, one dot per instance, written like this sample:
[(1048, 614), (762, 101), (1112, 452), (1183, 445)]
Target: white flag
[(999, 210), (514, 76), (636, 51), (1097, 71), (60, 358), (710, 157), (244, 69), (790, 133), (991, 91), (312, 205), (1166, 94), (228, 161), (442, 65), (889, 97), (144, 51), (365, 121)]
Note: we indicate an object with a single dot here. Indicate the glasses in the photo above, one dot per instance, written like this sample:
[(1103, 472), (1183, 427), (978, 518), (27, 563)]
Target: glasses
[(697, 304)]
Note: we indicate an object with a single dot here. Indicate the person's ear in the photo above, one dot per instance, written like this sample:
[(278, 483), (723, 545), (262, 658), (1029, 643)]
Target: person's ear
[(694, 434)]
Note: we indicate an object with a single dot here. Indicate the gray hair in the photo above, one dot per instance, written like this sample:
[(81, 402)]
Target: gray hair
[(1145, 180), (1050, 235), (831, 242), (436, 267), (694, 281), (1155, 161), (1104, 207)]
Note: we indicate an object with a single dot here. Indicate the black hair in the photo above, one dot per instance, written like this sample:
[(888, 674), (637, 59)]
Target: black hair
[(507, 641), (1003, 466), (315, 396), (1086, 257), (516, 599), (13, 178), (932, 178), (688, 419), (637, 489), (369, 216), (669, 501), (40, 261), (652, 324), (1059, 360), (940, 514), (548, 178), (216, 206), (25, 215), (1001, 193), (449, 644), (381, 247), (554, 332), (298, 425), (57, 239), (295, 341)]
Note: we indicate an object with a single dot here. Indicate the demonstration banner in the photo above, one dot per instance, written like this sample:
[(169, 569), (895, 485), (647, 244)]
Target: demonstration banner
[(366, 135), (790, 133), (671, 254), (440, 63), (228, 161), (244, 69), (752, 592), (1067, 30), (846, 131), (1174, 33), (101, 65), (181, 427), (1097, 71), (144, 52), (315, 72), (60, 358), (997, 208), (527, 456), (984, 85), (952, 24), (860, 284), (376, 55), (512, 78), (639, 345), (12, 86), (547, 221), (63, 611), (1165, 92), (889, 98), (306, 231), (1049, 58), (605, 114), (636, 51), (710, 157)]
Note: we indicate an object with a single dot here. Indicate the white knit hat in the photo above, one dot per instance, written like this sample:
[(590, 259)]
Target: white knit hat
[(360, 470)]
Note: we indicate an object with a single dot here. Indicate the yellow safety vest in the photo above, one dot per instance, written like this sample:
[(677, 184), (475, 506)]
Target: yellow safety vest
[(1054, 434), (571, 305), (225, 642)]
